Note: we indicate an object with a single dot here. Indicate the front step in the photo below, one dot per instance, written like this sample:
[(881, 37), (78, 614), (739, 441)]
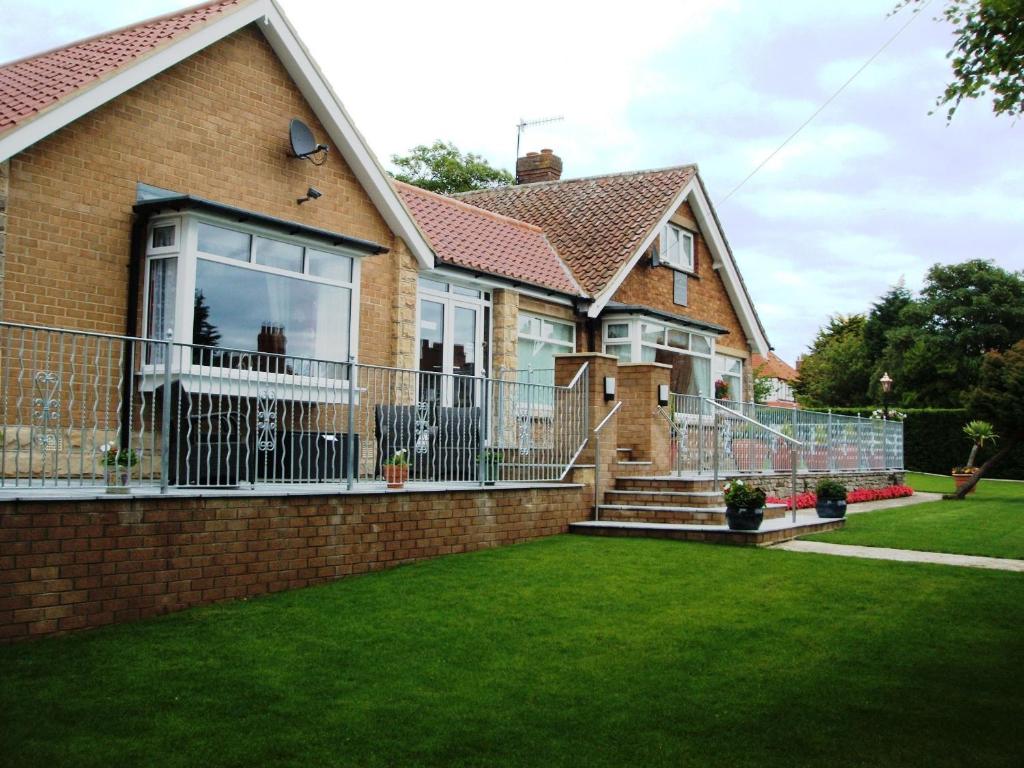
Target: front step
[(665, 483), (685, 498), (771, 532), (651, 513)]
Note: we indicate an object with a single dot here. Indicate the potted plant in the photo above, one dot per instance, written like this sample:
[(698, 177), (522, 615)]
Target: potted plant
[(396, 469), (831, 498), (492, 466), (744, 506), (979, 433), (117, 463), (721, 390)]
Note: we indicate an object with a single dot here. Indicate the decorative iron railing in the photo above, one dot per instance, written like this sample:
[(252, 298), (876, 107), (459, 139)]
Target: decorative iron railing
[(80, 409), (828, 442)]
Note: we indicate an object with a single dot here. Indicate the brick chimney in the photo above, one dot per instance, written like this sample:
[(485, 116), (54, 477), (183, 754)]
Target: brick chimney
[(538, 166)]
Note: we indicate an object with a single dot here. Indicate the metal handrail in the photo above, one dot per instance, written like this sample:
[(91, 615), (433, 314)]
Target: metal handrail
[(793, 442), (597, 458)]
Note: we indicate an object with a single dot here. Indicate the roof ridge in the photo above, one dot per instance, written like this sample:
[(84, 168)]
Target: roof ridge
[(476, 209), (124, 28), (558, 182)]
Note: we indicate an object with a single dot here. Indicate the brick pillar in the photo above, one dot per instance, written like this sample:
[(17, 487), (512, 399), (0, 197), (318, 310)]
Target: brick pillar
[(403, 321), (641, 427), (599, 367), (505, 314)]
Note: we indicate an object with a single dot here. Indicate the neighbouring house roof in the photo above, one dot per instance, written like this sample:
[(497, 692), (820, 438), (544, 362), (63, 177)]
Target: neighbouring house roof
[(596, 223), (774, 367), (471, 237), (32, 85), (43, 93)]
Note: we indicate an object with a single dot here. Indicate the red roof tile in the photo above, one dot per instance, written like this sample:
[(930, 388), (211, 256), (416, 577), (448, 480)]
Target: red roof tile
[(774, 367), (32, 85), (468, 236), (596, 223)]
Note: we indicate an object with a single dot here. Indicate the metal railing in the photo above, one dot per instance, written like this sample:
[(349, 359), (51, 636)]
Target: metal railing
[(753, 439), (597, 458), (80, 409)]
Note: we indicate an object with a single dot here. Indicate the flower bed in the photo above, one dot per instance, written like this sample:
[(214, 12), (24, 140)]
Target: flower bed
[(807, 500)]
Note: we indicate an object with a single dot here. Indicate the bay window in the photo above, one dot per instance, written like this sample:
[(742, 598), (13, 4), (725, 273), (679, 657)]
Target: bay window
[(647, 341), (248, 289)]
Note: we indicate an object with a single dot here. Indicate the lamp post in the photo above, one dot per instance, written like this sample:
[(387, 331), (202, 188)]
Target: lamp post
[(886, 382)]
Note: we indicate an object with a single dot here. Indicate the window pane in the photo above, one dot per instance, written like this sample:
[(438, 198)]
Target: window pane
[(535, 355), (678, 339), (329, 265), (700, 382), (466, 291), (648, 354), (250, 310), (274, 253), (529, 325), (433, 285), (653, 334), (621, 351), (558, 332), (431, 336), (686, 250), (700, 343), (162, 291), (163, 236), (618, 331), (223, 242)]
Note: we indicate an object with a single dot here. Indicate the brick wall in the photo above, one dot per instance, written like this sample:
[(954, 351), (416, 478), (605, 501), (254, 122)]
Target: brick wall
[(5, 167), (706, 295), (77, 564), (505, 331), (214, 126)]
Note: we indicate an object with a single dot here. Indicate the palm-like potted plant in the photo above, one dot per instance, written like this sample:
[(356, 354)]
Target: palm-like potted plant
[(117, 465), (744, 506), (980, 433), (831, 498), (396, 469)]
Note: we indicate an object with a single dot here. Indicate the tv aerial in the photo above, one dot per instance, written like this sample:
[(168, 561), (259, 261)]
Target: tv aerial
[(304, 146), (522, 125)]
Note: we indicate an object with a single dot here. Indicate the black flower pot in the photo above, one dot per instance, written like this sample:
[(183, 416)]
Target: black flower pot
[(831, 507), (744, 518)]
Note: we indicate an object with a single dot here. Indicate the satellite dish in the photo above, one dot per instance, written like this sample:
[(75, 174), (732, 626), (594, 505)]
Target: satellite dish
[(303, 143)]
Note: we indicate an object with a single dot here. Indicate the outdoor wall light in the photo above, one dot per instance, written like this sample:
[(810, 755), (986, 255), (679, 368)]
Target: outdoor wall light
[(609, 387), (663, 394)]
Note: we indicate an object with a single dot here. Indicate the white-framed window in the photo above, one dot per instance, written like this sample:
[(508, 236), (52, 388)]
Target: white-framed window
[(729, 371), (248, 289), (649, 341), (539, 340), (677, 247)]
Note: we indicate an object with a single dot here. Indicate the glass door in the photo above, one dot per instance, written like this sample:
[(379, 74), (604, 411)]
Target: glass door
[(452, 351)]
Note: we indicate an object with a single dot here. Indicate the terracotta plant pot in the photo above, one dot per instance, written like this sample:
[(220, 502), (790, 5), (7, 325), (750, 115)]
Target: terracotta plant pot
[(962, 479), (395, 476)]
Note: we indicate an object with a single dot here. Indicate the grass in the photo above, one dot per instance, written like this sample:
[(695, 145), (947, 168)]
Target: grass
[(990, 522), (566, 651)]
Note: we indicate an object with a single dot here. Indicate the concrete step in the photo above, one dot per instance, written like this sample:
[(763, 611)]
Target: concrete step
[(664, 483), (653, 513), (771, 532)]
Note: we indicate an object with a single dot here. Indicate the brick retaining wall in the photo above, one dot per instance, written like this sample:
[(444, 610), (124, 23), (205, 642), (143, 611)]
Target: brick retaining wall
[(72, 565)]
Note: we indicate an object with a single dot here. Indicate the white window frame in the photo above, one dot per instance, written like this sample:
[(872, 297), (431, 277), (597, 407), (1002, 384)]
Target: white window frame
[(568, 346), (676, 257), (718, 371), (187, 252), (635, 341)]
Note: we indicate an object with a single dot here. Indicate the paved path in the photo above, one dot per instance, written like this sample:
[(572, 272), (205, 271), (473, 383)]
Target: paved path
[(919, 497), (902, 555)]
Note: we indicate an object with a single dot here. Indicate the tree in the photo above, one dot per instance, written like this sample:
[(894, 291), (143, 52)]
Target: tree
[(999, 398), (837, 370), (988, 54), (762, 384), (443, 169)]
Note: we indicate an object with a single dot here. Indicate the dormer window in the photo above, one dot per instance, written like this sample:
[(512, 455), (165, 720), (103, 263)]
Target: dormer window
[(677, 248)]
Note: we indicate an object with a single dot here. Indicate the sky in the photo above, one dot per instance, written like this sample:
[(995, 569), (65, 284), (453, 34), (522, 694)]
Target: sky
[(874, 191)]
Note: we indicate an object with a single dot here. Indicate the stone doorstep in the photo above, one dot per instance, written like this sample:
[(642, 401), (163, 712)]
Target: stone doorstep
[(772, 533)]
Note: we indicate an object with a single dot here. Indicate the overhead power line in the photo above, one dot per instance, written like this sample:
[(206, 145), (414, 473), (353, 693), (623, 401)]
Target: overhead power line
[(827, 101)]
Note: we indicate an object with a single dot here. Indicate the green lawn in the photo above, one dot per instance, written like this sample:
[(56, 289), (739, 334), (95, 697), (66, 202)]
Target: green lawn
[(989, 522), (568, 651)]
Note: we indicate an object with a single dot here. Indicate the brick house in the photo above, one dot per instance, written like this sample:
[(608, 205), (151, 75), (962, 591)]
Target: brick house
[(196, 313), (780, 375)]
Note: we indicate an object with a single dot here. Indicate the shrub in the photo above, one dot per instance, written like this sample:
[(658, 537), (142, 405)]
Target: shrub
[(830, 490), (739, 494)]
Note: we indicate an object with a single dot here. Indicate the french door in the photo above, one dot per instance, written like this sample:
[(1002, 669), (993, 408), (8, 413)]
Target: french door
[(452, 334)]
